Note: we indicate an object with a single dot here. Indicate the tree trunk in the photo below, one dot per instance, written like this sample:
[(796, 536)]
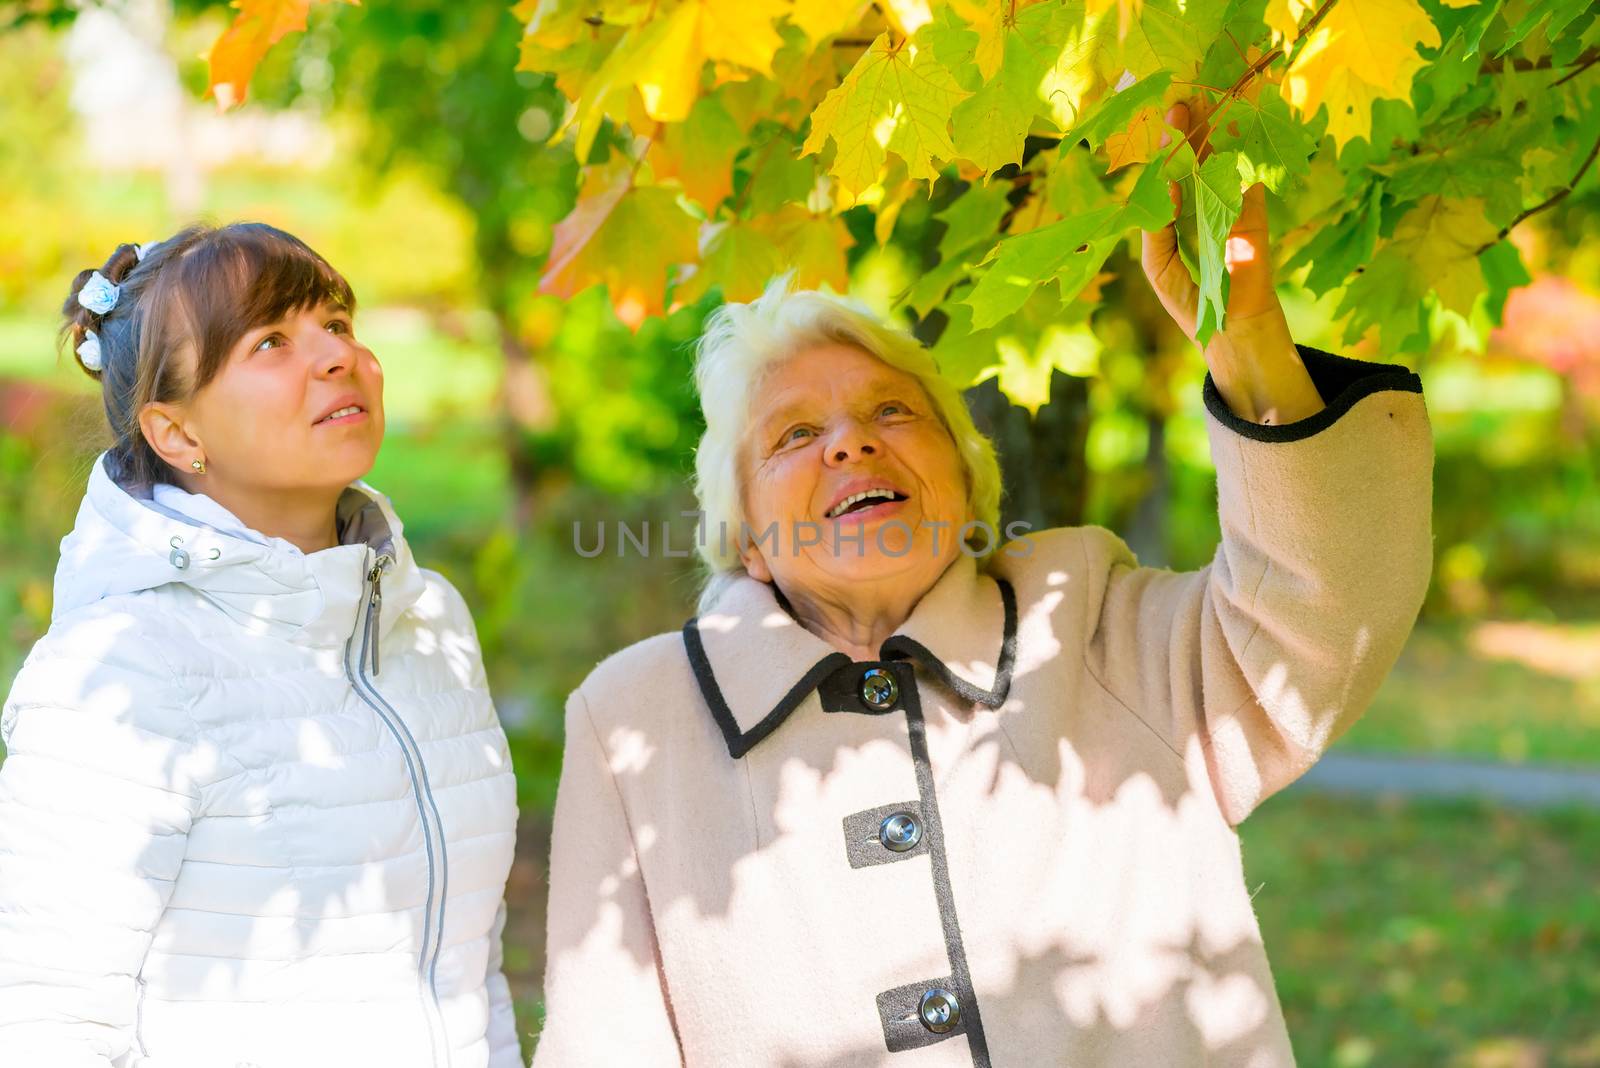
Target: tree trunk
[(1042, 461)]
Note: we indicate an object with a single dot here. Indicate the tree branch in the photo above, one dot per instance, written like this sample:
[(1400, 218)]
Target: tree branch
[(1548, 202)]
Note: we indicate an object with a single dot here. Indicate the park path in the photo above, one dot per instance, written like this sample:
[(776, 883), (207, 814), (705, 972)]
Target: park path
[(1519, 785)]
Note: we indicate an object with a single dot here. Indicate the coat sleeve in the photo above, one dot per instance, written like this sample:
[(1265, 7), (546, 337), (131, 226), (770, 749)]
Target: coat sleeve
[(605, 997), (97, 794), (505, 1051), (1265, 656)]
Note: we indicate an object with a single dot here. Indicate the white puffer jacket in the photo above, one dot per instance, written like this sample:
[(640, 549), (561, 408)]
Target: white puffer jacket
[(257, 807)]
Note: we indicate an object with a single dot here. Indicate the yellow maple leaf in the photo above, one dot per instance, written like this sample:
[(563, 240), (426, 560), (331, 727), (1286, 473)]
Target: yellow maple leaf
[(1360, 51), (1138, 143), (896, 98), (234, 56), (821, 19), (1128, 12), (1445, 234)]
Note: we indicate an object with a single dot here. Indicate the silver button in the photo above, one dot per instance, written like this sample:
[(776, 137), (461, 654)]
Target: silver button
[(878, 689), (900, 832), (939, 1010)]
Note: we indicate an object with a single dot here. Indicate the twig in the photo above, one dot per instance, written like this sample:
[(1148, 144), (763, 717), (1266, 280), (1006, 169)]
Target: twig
[(1548, 202)]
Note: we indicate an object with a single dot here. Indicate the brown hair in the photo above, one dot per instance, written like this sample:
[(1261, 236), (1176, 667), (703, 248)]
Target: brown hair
[(180, 310)]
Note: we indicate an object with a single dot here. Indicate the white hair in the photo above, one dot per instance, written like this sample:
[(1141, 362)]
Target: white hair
[(741, 342)]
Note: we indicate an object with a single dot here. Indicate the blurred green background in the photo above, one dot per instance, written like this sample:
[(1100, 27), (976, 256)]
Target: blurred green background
[(1439, 933)]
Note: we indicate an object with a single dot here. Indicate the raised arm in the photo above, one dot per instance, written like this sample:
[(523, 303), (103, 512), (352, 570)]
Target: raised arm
[(1270, 652), (605, 1003), (96, 798)]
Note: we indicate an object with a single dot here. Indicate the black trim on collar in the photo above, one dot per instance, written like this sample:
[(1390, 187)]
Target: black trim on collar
[(896, 647), (900, 647), (1340, 380), (741, 743)]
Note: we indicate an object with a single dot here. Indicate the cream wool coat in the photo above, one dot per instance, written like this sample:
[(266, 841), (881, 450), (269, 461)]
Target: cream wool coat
[(257, 810), (1075, 737)]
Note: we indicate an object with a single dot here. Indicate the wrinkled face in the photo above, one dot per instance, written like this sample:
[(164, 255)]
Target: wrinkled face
[(264, 421), (848, 458)]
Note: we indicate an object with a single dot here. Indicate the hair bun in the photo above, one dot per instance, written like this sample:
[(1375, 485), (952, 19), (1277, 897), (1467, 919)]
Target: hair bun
[(121, 263)]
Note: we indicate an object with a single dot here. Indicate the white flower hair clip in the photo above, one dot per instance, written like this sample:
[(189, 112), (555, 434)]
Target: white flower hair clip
[(89, 351), (99, 294)]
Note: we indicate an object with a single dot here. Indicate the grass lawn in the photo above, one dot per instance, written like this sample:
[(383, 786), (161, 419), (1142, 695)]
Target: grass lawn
[(1497, 690), (1436, 934)]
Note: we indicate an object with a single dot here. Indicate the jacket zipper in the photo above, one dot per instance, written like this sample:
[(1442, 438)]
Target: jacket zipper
[(432, 830)]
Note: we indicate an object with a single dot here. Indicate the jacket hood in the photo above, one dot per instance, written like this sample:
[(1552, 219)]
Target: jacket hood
[(123, 541)]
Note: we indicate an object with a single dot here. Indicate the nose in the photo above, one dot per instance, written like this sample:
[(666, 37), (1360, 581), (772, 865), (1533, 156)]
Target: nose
[(331, 356), (850, 442)]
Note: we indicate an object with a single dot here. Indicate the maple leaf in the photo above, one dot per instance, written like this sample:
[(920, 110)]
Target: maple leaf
[(234, 56), (599, 243), (1137, 143), (1434, 246), (990, 126), (813, 243), (1024, 371), (699, 153), (735, 256), (892, 100), (1362, 50)]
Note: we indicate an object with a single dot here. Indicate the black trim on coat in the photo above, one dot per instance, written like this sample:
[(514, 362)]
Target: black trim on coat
[(741, 743), (840, 691), (898, 646), (1341, 380), (971, 1021), (896, 650)]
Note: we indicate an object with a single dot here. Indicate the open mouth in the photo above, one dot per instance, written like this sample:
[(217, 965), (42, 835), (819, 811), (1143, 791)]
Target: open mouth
[(342, 415), (863, 501)]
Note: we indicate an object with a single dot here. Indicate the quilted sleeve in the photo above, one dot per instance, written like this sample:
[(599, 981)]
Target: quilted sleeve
[(97, 794)]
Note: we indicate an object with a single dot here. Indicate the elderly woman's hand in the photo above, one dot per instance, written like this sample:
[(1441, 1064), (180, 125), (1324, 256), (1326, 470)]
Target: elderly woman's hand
[(1252, 359)]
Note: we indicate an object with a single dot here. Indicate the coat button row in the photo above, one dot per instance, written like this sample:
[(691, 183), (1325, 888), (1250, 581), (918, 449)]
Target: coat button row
[(939, 1010), (878, 689), (899, 832)]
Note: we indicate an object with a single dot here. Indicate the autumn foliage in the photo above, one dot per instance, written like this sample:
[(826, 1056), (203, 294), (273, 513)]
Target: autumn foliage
[(722, 141)]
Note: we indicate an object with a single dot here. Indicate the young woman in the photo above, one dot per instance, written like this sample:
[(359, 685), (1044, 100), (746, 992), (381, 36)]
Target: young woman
[(257, 808)]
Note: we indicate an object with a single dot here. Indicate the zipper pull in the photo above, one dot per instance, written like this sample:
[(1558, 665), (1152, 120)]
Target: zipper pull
[(375, 604), (373, 608)]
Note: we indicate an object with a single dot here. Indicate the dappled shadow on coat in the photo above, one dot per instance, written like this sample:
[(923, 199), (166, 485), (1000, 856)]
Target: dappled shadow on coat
[(1159, 959)]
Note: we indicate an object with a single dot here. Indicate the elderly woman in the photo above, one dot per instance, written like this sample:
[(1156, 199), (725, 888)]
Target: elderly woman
[(893, 799)]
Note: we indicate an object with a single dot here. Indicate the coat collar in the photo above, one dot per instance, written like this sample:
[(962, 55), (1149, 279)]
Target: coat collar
[(124, 542), (755, 663)]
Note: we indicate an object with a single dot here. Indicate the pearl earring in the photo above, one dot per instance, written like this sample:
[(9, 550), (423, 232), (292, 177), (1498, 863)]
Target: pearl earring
[(199, 466)]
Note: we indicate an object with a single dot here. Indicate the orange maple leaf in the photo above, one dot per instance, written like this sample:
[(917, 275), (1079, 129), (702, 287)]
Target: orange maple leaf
[(258, 26)]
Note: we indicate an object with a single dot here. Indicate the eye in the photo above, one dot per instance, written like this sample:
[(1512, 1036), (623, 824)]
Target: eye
[(343, 327), (893, 408), (275, 340), (793, 434)]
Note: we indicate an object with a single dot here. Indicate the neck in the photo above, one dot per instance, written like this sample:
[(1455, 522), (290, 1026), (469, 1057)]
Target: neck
[(858, 624), (305, 519)]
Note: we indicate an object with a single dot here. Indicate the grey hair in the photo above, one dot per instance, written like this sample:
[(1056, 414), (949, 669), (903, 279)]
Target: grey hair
[(741, 342)]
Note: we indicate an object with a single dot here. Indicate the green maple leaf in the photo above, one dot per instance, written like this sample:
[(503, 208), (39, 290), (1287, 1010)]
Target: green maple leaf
[(888, 91), (1071, 251), (1272, 144)]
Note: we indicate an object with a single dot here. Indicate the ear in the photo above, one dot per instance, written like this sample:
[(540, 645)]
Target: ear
[(165, 427), (750, 555)]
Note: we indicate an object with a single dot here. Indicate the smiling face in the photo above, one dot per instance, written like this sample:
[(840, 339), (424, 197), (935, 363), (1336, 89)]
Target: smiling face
[(296, 407), (848, 453)]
